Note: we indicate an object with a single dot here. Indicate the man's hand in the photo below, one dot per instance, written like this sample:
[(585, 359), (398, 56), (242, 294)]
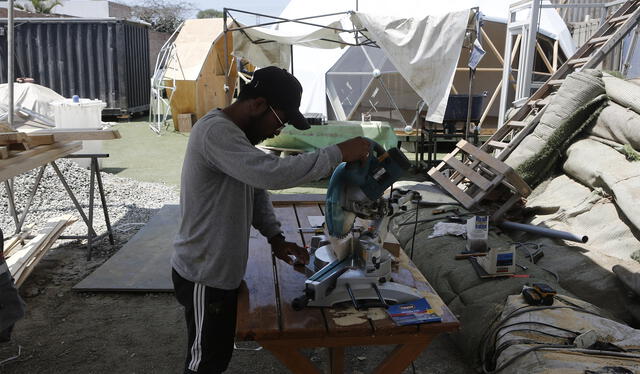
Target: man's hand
[(355, 149), (283, 250)]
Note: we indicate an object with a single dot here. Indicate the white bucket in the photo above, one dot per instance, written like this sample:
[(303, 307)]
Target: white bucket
[(81, 113)]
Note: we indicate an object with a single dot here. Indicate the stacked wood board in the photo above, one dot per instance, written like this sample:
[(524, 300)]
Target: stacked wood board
[(25, 140), (21, 261)]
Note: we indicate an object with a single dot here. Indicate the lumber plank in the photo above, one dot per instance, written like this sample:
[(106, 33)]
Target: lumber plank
[(70, 134), (291, 282), (13, 243), (483, 157), (14, 137), (451, 188), (30, 254), (257, 304), (468, 172), (41, 139), (42, 250), (33, 158)]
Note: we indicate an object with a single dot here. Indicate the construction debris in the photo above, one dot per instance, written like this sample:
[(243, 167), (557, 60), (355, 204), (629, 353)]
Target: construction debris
[(22, 261)]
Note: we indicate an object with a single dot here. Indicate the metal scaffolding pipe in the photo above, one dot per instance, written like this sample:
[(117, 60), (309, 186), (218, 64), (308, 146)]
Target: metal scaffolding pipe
[(544, 231), (10, 70)]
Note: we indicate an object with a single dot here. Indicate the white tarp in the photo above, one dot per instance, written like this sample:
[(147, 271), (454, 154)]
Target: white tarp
[(424, 49), (31, 102), (310, 65), (263, 46)]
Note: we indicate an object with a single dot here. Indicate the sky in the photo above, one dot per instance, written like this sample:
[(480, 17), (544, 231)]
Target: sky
[(270, 7)]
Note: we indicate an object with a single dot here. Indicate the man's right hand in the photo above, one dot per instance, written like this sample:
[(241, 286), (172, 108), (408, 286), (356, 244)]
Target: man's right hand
[(355, 149)]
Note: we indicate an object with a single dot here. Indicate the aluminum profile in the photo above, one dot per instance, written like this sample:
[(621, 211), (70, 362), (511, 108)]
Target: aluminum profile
[(106, 59)]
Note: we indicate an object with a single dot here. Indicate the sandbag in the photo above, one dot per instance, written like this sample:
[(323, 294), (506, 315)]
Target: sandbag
[(567, 205), (575, 106), (474, 300), (618, 124), (625, 94), (599, 166), (529, 339)]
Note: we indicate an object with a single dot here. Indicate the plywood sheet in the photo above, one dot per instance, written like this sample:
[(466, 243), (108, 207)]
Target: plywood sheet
[(143, 264)]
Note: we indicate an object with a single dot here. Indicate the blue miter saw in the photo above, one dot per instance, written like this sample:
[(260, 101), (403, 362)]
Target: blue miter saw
[(350, 262)]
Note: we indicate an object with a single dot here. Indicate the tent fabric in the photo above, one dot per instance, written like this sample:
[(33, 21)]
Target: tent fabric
[(192, 46), (277, 52), (425, 50)]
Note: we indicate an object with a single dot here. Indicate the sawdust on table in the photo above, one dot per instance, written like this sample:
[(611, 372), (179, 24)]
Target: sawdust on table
[(350, 316)]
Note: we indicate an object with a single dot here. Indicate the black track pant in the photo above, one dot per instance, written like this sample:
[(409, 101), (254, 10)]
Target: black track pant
[(211, 323)]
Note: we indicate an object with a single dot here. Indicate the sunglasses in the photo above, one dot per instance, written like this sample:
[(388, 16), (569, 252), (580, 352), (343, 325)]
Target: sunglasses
[(282, 124)]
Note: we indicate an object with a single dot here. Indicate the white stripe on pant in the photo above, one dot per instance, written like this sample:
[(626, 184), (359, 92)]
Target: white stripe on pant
[(198, 310)]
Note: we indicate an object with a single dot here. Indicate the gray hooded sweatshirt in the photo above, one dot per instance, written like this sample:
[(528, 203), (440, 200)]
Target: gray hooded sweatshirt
[(223, 193)]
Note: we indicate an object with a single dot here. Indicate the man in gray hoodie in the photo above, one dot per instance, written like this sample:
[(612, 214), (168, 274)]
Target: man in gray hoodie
[(223, 193)]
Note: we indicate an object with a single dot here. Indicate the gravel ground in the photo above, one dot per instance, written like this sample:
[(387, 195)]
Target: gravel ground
[(130, 202)]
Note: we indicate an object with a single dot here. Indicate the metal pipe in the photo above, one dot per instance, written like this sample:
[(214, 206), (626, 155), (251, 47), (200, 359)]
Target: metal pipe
[(550, 233), (10, 60)]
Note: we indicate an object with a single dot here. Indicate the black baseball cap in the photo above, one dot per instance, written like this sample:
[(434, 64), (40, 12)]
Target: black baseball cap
[(282, 91)]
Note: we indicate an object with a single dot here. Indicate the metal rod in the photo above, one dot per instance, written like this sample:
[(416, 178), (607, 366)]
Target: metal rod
[(10, 60), (104, 203), (353, 298), (88, 155), (375, 287), (469, 105), (91, 193), (31, 196), (72, 196), (12, 204), (227, 99), (551, 233)]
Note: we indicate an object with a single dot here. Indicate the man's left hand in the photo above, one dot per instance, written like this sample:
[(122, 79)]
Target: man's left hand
[(283, 250)]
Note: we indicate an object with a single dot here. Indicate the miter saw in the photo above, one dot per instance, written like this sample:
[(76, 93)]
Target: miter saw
[(350, 262)]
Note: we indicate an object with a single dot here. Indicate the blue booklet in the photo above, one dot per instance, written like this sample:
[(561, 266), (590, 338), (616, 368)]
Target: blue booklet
[(418, 311)]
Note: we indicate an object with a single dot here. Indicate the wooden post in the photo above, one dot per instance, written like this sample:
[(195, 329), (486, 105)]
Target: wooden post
[(544, 58)]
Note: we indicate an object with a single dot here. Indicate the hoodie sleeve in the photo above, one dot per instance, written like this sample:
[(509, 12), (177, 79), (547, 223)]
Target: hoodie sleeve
[(264, 218), (229, 150)]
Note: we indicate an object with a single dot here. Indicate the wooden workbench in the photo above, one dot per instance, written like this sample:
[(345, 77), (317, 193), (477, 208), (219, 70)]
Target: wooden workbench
[(265, 313)]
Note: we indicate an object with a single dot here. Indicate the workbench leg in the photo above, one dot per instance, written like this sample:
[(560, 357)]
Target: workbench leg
[(336, 360), (292, 359), (400, 358), (104, 201), (12, 205), (91, 193)]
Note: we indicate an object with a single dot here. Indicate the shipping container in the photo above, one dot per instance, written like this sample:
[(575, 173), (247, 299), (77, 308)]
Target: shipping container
[(106, 59)]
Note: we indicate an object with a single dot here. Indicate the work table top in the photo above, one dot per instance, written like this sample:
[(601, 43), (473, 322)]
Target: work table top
[(270, 286)]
